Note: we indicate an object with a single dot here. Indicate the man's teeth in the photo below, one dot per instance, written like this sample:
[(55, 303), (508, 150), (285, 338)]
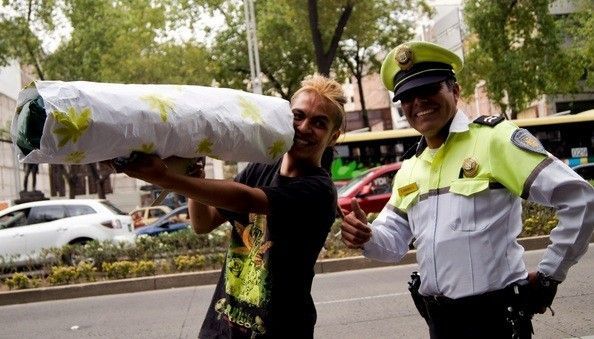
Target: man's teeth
[(301, 142), (420, 114)]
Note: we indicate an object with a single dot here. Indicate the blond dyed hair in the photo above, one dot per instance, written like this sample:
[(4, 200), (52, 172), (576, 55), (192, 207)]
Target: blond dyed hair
[(328, 89)]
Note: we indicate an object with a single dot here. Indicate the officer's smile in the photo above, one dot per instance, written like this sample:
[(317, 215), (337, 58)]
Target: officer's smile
[(424, 112)]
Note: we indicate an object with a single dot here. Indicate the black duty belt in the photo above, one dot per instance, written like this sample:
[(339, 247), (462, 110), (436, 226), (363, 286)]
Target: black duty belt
[(499, 296)]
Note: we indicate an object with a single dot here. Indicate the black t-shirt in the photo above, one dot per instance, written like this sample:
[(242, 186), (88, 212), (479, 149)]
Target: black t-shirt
[(265, 285)]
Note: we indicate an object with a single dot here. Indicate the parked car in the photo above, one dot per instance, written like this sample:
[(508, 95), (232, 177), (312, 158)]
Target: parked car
[(28, 228), (586, 171), (372, 189), (147, 215), (176, 220)]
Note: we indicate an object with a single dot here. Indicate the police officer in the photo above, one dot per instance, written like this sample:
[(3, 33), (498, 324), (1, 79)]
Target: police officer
[(459, 198)]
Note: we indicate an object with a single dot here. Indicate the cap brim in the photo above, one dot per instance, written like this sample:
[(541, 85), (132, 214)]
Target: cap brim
[(418, 82)]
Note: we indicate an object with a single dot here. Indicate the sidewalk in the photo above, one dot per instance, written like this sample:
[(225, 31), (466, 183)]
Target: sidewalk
[(199, 278)]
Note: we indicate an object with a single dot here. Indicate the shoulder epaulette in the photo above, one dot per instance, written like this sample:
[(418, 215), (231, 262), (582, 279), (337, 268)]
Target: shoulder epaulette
[(489, 120)]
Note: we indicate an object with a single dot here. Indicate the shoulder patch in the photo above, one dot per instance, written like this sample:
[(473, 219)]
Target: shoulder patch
[(526, 141), (489, 120)]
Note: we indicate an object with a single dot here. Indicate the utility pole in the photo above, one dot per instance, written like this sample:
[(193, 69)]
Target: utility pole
[(250, 22)]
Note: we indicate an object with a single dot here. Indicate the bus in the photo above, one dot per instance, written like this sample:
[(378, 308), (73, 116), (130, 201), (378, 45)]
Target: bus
[(568, 137)]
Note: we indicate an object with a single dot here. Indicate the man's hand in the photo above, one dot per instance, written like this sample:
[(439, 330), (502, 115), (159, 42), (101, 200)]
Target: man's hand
[(544, 290), (147, 167), (354, 229)]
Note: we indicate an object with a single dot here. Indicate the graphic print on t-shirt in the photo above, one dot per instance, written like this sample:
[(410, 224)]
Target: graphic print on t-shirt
[(246, 273)]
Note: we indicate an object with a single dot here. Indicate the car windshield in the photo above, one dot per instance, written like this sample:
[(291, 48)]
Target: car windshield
[(176, 212), (345, 190), (112, 207)]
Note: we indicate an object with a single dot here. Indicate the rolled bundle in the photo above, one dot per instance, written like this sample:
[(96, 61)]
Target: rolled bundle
[(84, 122)]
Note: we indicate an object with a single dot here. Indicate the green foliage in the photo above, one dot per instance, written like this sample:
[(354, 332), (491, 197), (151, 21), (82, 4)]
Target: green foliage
[(387, 24), (86, 272), (286, 50), (20, 24), (189, 263), (537, 219), (580, 27), (18, 281), (506, 50), (118, 270), (144, 267), (62, 275)]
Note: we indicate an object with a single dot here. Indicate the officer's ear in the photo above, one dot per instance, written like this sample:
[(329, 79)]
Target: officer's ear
[(456, 91)]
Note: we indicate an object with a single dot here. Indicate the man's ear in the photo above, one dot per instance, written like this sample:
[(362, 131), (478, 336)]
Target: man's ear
[(335, 136), (456, 90)]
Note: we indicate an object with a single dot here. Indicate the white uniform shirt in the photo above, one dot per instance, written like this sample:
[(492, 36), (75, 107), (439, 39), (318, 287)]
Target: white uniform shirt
[(466, 244)]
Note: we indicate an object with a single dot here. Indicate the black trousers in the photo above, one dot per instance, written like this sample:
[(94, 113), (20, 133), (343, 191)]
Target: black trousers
[(482, 316)]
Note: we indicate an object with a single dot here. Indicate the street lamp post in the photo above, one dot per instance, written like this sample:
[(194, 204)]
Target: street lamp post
[(250, 21)]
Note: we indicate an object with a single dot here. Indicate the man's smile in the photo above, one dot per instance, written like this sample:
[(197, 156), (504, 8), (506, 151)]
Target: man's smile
[(424, 112), (301, 141)]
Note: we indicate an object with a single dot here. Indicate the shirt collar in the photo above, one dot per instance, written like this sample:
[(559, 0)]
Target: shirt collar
[(459, 124)]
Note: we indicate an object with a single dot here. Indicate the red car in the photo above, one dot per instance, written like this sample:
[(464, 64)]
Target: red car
[(372, 189)]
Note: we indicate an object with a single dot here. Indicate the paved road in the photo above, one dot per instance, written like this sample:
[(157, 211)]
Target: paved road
[(372, 303)]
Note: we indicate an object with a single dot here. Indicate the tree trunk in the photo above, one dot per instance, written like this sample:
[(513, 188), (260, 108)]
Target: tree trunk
[(364, 114), (98, 179), (325, 58), (71, 178)]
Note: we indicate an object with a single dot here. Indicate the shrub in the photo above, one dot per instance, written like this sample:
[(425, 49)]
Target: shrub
[(537, 219), (118, 269), (62, 275), (86, 271), (18, 281), (144, 268), (189, 263)]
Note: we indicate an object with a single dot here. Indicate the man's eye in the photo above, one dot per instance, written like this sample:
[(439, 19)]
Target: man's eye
[(320, 124)]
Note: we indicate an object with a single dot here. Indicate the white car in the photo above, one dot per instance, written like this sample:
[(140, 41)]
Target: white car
[(26, 229)]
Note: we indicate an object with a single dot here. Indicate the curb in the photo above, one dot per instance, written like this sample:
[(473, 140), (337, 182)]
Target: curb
[(201, 278)]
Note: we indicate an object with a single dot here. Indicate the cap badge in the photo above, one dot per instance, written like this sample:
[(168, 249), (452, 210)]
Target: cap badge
[(470, 167), (404, 56)]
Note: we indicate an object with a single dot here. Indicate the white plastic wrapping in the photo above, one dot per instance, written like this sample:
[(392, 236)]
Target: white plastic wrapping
[(89, 122)]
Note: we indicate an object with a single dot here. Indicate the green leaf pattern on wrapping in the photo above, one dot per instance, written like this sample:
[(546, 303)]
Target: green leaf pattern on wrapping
[(250, 110), (204, 147), (160, 104), (75, 157), (72, 124), (148, 148), (277, 148)]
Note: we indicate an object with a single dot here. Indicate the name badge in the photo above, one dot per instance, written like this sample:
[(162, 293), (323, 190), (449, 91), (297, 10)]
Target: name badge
[(408, 189)]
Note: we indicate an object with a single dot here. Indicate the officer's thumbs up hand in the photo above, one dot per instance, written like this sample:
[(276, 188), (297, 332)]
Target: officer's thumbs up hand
[(354, 229), (359, 213)]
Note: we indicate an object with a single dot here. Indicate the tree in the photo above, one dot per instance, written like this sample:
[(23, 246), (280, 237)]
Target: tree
[(362, 48), (18, 40), (111, 41), (516, 48), (579, 26), (288, 51), (284, 49), (326, 52)]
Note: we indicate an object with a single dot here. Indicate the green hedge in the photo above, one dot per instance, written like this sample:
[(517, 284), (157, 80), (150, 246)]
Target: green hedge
[(181, 251)]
